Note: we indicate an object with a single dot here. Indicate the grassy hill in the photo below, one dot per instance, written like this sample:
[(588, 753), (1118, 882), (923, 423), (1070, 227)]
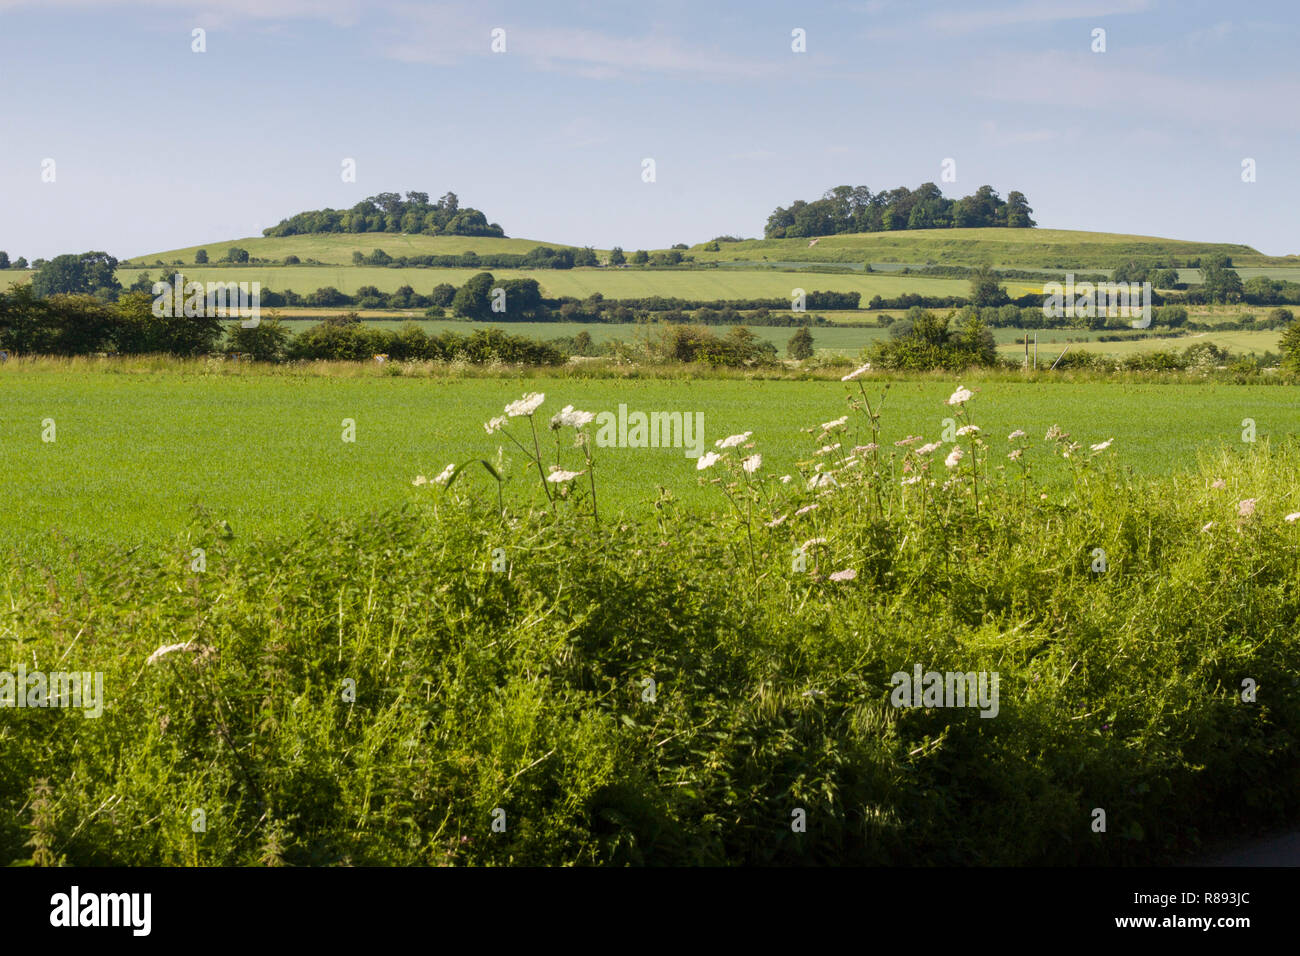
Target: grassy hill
[(1002, 248), (337, 248)]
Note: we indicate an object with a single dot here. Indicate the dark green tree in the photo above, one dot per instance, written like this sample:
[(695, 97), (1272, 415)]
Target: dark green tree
[(473, 299), (986, 288), (83, 274), (800, 345)]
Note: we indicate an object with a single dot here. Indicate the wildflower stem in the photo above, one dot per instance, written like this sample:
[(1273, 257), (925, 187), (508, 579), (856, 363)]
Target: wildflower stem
[(537, 459)]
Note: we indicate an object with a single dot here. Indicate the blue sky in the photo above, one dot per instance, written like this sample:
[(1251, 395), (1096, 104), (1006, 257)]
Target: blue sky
[(158, 147)]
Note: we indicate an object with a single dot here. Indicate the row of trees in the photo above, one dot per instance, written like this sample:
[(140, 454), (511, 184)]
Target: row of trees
[(389, 212), (846, 209), (19, 263)]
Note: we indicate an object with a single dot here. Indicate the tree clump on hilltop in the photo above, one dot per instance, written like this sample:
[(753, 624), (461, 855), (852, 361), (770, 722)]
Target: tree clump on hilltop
[(389, 212), (857, 209)]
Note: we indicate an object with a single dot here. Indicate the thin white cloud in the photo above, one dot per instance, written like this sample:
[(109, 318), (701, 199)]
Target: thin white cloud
[(1032, 11)]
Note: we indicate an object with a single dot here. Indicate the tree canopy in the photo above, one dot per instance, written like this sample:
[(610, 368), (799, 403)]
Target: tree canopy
[(389, 212), (857, 209), (90, 273)]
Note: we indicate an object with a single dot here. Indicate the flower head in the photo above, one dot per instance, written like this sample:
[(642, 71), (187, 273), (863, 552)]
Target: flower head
[(960, 397), (805, 509), (909, 440), (559, 475), (569, 417), (166, 649), (777, 521), (955, 456), (526, 405), (752, 463), (1292, 518), (446, 474), (1102, 446), (419, 480), (495, 424), (857, 373), (1246, 508), (1015, 434), (911, 481), (1218, 484), (864, 450), (731, 441), (926, 449), (848, 574), (827, 426), (968, 430), (822, 480), (707, 460)]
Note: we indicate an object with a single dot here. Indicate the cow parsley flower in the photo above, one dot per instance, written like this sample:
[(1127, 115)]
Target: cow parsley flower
[(731, 441), (559, 475), (569, 417), (707, 460), (857, 373), (960, 397), (526, 405)]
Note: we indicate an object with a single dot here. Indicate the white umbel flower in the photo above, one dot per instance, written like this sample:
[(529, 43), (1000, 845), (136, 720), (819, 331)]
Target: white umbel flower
[(731, 441), (526, 405)]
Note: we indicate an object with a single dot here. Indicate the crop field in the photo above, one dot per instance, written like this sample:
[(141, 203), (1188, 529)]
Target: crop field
[(611, 283), (832, 340), (136, 450), (392, 666)]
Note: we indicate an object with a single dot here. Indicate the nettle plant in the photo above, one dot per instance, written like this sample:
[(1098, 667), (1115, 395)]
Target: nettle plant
[(556, 481)]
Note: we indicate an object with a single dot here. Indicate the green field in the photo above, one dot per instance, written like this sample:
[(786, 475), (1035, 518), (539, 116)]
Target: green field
[(135, 450), (580, 283), (831, 339), (337, 248), (329, 662)]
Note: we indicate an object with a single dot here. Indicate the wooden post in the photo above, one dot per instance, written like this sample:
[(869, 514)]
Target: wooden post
[(1035, 351)]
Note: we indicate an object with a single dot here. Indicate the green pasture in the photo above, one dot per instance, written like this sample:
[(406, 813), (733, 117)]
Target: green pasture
[(1001, 248)]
